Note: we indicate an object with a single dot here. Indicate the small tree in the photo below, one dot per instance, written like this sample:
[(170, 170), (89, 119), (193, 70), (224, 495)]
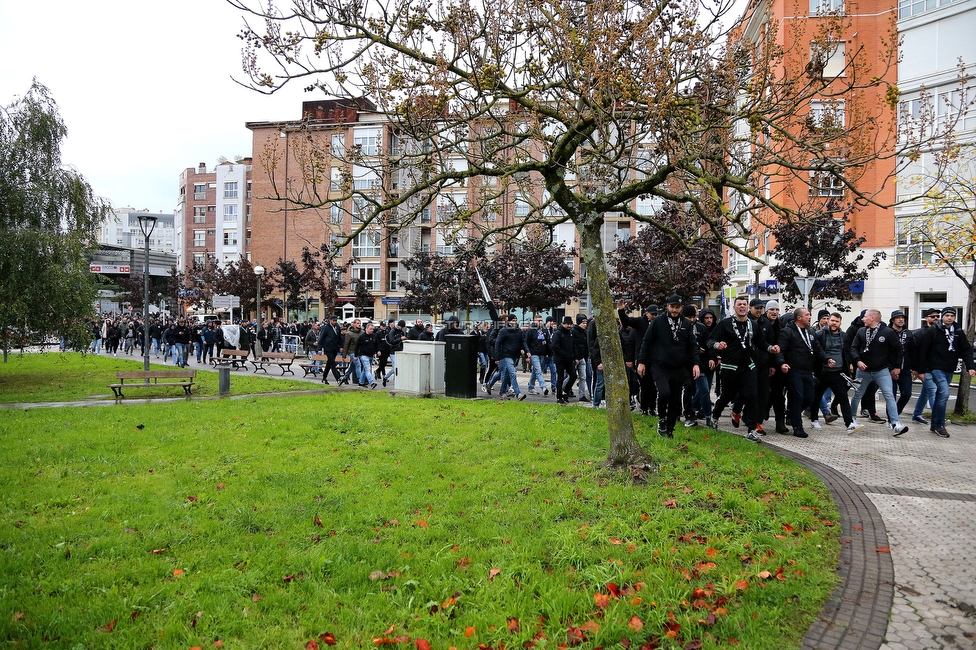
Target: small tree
[(286, 277), (821, 247), (324, 275), (48, 222), (943, 239), (655, 264), (237, 279), (532, 276), (436, 283)]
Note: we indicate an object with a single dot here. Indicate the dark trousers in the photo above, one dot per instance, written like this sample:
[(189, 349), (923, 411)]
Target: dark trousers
[(565, 372), (669, 383), (739, 381), (777, 398), (902, 388), (802, 386), (838, 386), (648, 392), (330, 364)]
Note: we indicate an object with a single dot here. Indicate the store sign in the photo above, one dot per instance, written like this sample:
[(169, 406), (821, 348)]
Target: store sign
[(108, 268)]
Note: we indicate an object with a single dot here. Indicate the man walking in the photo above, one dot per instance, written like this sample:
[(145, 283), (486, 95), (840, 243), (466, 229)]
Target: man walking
[(833, 341), (941, 348), (877, 353), (799, 355), (668, 351), (564, 354)]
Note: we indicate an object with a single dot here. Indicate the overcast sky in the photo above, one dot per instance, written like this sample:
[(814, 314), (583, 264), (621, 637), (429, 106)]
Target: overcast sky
[(144, 88)]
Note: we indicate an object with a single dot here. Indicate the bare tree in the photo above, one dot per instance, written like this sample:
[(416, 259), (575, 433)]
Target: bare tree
[(516, 115), (942, 238)]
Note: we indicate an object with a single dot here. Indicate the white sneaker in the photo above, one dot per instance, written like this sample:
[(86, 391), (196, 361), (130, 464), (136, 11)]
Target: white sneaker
[(816, 424), (854, 426), (898, 428)]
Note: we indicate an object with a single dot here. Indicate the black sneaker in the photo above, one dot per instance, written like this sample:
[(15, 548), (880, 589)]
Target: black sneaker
[(736, 418), (545, 391), (488, 389), (662, 429), (562, 401), (520, 397), (941, 432), (876, 418), (919, 419), (800, 433), (781, 428)]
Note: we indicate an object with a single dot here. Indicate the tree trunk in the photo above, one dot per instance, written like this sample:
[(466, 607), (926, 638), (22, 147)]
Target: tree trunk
[(962, 396), (625, 449)]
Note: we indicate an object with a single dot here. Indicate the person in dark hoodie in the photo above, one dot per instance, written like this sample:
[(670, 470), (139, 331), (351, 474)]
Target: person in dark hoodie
[(564, 354), (584, 370), (702, 400), (834, 343), (596, 362), (668, 351), (648, 393), (413, 334)]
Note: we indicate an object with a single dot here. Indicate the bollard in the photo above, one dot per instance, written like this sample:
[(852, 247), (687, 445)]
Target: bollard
[(223, 380)]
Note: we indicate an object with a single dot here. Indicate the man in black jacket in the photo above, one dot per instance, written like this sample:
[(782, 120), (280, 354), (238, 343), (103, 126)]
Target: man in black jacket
[(581, 353), (330, 340), (799, 355), (903, 386), (394, 341), (509, 348), (366, 349), (876, 351), (648, 393), (564, 354), (668, 351), (737, 341), (940, 349)]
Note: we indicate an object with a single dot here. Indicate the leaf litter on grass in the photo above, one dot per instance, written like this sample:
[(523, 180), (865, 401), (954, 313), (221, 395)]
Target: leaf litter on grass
[(581, 556)]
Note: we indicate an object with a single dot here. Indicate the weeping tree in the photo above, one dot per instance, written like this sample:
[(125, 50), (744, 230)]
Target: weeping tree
[(48, 223), (533, 275), (508, 115), (437, 283)]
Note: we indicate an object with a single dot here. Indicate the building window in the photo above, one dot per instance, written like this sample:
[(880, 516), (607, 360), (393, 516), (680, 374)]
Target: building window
[(335, 214), (338, 144), (230, 190), (827, 60), (445, 242), (199, 237), (230, 238), (199, 259), (230, 213), (199, 191), (368, 276), (393, 248), (393, 279), (249, 189), (826, 7), (425, 215), (911, 248), (366, 244), (908, 8), (828, 114), (521, 207), (360, 209), (367, 141), (825, 181)]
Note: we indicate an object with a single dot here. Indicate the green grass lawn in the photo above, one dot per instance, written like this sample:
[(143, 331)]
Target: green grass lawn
[(272, 522), (56, 377)]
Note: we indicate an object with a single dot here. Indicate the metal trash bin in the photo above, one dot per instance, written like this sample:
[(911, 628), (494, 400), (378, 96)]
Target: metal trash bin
[(461, 365)]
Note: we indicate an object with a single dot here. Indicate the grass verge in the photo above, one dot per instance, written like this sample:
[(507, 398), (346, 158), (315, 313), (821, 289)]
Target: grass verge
[(362, 520), (71, 376)]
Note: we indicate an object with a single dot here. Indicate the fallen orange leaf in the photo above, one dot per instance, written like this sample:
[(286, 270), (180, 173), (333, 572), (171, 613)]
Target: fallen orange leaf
[(108, 627), (711, 552), (741, 584), (422, 644), (178, 573), (602, 600), (492, 573), (635, 623), (884, 549), (312, 645), (590, 626), (317, 521), (469, 631), (421, 522), (513, 625)]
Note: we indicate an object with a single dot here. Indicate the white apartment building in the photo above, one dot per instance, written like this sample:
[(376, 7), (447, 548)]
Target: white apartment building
[(122, 229)]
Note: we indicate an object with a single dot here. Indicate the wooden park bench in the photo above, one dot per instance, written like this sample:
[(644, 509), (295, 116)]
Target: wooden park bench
[(315, 363), (231, 357), (185, 380), (281, 359)]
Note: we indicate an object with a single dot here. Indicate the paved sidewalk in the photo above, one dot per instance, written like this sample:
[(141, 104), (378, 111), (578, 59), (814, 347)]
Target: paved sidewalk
[(924, 489)]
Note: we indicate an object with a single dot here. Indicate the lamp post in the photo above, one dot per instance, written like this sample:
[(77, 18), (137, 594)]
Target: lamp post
[(146, 224), (757, 268), (259, 271)]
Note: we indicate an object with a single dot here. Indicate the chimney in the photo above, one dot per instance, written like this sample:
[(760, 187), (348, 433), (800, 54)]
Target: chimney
[(202, 168)]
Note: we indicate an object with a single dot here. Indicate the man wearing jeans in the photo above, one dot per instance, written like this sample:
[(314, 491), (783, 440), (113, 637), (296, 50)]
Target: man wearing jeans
[(941, 348), (926, 396), (509, 348), (876, 351)]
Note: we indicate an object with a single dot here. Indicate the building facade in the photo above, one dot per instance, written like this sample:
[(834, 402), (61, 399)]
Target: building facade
[(122, 229), (213, 214)]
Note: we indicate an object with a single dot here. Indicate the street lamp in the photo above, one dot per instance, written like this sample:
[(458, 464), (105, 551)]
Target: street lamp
[(146, 224), (259, 271), (757, 268)]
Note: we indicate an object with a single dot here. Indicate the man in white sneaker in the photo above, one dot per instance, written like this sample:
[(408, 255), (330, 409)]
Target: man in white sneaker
[(877, 353)]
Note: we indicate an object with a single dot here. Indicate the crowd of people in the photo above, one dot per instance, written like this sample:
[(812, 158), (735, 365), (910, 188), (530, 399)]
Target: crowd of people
[(765, 367)]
